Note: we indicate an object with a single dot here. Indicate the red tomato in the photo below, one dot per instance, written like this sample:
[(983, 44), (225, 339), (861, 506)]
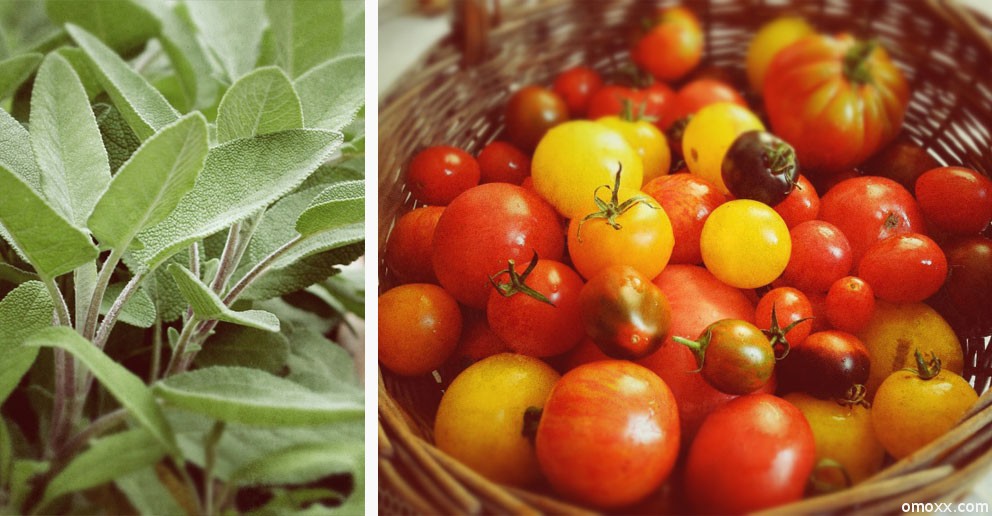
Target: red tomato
[(790, 305), (902, 161), (533, 326), (408, 250), (688, 200), (969, 285), (671, 48), (438, 174), (419, 326), (819, 303), (835, 99), (698, 94), (530, 112), (486, 226), (609, 101), (478, 340), (802, 204), (755, 452), (825, 365), (869, 208), (850, 304), (586, 352), (821, 255), (904, 268), (501, 162), (609, 434), (955, 199), (658, 99), (576, 86)]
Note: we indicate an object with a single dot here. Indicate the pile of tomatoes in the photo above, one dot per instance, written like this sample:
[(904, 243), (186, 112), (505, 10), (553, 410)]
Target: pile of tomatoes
[(641, 280)]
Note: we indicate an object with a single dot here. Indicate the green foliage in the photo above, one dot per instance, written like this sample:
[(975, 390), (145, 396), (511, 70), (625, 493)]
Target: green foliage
[(121, 24), (261, 102), (333, 92), (15, 70), (25, 310), (305, 33), (207, 305), (118, 138)]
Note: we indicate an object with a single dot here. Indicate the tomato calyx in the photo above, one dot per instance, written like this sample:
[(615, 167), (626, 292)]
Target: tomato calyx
[(776, 335), (628, 113), (698, 347), (856, 395), (532, 419), (820, 486), (926, 370), (856, 58), (610, 210), (516, 281)]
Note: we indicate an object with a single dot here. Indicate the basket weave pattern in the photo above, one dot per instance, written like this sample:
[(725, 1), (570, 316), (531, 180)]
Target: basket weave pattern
[(945, 53)]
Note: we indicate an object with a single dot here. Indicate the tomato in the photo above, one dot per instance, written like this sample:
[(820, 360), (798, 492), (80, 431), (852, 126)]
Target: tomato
[(733, 355), (671, 48), (827, 364), (902, 161), (482, 229), (802, 204), (438, 174), (955, 199), (408, 250), (536, 312), (906, 267), (625, 314), (745, 243), (710, 134), (530, 113), (770, 39), (913, 408), (478, 340), (586, 352), (635, 232), (480, 417), (609, 434), (755, 452), (611, 99), (501, 162), (419, 326), (850, 304), (895, 330), (821, 255), (576, 86), (687, 200), (578, 157), (843, 433), (793, 319), (969, 284), (835, 99), (657, 99), (698, 94), (644, 138), (760, 166), (867, 209)]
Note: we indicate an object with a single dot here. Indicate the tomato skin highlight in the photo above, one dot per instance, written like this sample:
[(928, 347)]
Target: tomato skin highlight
[(904, 268), (501, 162), (625, 314), (530, 113), (820, 256), (609, 434), (576, 87), (850, 304), (438, 174)]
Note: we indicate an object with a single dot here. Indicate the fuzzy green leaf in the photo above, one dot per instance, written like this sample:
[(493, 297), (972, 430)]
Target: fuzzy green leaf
[(245, 347), (15, 70), (66, 141), (14, 275), (138, 311), (254, 397), (340, 240), (144, 108), (121, 24), (118, 138), (49, 242), (261, 102), (106, 459), (16, 153), (182, 44), (317, 363), (232, 34), (239, 178), (332, 93), (129, 390), (148, 493), (81, 64), (25, 310), (305, 33), (150, 184), (279, 281), (339, 205), (301, 464), (208, 306)]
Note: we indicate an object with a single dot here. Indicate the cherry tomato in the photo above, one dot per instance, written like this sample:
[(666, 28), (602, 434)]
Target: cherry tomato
[(955, 199), (792, 311), (906, 267), (850, 304), (745, 243), (481, 415), (709, 136), (687, 200), (501, 162), (438, 174), (646, 139), (530, 113), (821, 255), (969, 284), (733, 355), (755, 452), (835, 99), (576, 86), (867, 209), (611, 99), (760, 166), (609, 434), (419, 326), (802, 204), (826, 365), (482, 229), (913, 408), (408, 250), (578, 157), (625, 314), (657, 99), (698, 94), (671, 48), (478, 340), (770, 39), (902, 161), (536, 311), (586, 352)]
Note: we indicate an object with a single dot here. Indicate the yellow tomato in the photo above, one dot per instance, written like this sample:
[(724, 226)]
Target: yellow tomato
[(647, 140), (897, 330), (745, 243), (481, 416), (709, 135), (575, 158), (772, 37)]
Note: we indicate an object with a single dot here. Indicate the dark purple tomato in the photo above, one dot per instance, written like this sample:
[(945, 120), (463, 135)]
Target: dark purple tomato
[(760, 166), (825, 365), (969, 281), (734, 356)]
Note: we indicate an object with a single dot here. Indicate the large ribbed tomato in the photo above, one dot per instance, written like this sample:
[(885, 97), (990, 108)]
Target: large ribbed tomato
[(835, 99)]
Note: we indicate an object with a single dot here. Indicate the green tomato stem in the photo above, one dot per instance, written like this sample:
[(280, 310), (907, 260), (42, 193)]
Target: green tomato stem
[(856, 62)]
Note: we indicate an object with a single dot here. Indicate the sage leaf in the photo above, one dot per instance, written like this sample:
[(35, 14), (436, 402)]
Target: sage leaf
[(25, 310), (121, 24), (300, 464), (304, 33), (208, 306), (118, 138), (148, 493), (261, 102), (15, 70), (332, 93), (231, 34), (245, 347), (16, 153), (339, 205), (139, 311)]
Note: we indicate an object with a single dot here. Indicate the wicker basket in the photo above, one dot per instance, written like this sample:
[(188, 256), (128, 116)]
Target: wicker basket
[(456, 96)]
